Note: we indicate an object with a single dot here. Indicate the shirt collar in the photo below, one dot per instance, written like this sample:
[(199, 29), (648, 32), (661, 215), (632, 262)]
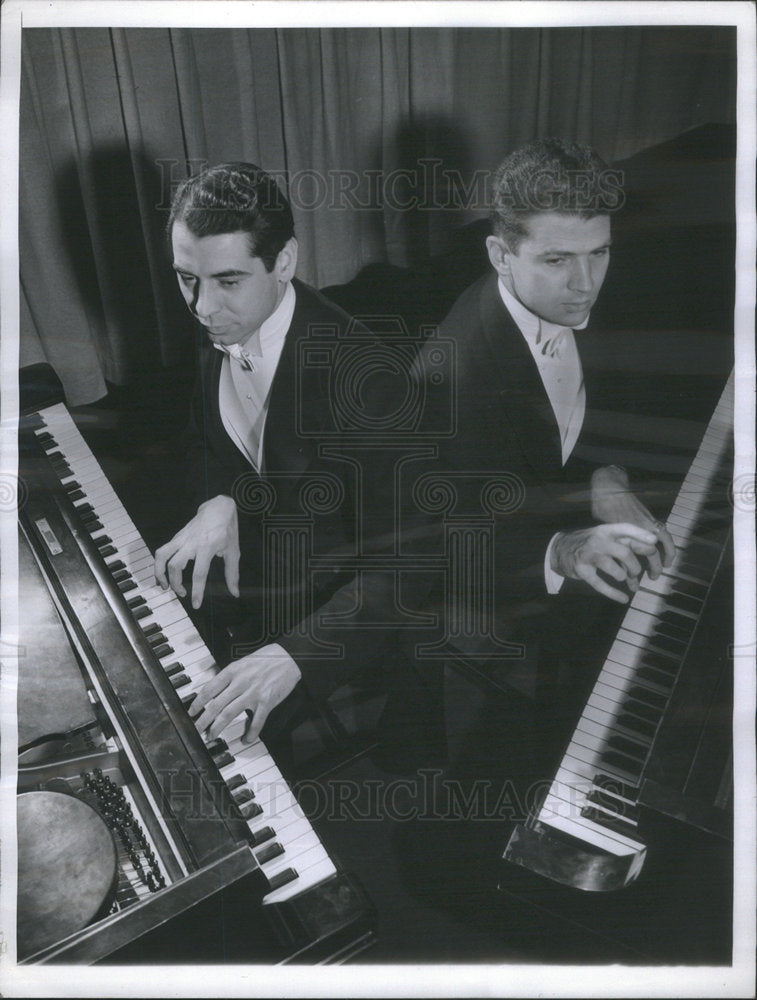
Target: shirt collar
[(270, 335), (535, 329)]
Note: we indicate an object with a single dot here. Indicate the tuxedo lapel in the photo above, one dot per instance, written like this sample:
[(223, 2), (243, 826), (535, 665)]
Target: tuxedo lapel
[(293, 418), (515, 379), (211, 361)]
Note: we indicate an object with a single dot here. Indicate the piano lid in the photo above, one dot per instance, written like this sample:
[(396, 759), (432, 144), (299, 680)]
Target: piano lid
[(52, 696)]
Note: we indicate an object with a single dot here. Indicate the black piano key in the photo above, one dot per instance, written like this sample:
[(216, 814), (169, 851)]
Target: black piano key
[(45, 437), (697, 571), (186, 702), (631, 748), (85, 508), (87, 517), (94, 526), (163, 650), (76, 495), (684, 603), (116, 564), (223, 760), (269, 853), (236, 782), (674, 626), (641, 710), (667, 643), (616, 787), (610, 821), (141, 612), (126, 585), (282, 878), (700, 549), (157, 640), (636, 726), (690, 589), (244, 795), (657, 681), (173, 668), (613, 804), (108, 550), (250, 810), (55, 456), (262, 835), (681, 616), (135, 602), (712, 516), (101, 541), (216, 746), (660, 660), (667, 672), (151, 629), (180, 681), (621, 765), (70, 487), (652, 698), (121, 574)]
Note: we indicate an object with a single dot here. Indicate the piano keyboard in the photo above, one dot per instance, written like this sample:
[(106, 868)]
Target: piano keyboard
[(284, 842), (594, 793)]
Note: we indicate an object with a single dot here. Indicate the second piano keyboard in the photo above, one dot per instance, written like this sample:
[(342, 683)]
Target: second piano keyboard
[(593, 797)]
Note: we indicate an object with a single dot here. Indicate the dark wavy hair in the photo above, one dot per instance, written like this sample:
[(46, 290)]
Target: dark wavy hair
[(232, 198), (551, 175)]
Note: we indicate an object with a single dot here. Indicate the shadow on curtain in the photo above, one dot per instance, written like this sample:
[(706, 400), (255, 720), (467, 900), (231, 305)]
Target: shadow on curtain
[(382, 138)]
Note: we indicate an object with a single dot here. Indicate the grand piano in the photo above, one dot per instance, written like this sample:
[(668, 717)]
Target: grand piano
[(594, 825), (631, 839), (139, 841)]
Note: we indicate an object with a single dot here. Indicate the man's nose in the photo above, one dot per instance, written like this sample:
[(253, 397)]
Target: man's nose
[(580, 275), (205, 302)]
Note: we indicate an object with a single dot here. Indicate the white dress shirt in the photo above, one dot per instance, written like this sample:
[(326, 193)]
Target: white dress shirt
[(247, 374), (553, 348), (554, 351)]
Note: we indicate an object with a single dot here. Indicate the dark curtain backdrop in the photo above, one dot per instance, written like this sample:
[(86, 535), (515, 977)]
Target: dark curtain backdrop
[(382, 137)]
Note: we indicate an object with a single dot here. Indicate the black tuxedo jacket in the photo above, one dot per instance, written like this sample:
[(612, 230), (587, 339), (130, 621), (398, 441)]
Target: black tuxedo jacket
[(503, 429), (301, 505), (293, 425)]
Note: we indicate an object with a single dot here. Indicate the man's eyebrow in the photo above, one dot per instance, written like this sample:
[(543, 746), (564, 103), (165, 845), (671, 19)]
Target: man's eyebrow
[(572, 253), (230, 272)]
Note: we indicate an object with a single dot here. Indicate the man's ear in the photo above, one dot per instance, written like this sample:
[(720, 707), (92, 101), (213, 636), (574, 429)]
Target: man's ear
[(499, 255), (286, 262)]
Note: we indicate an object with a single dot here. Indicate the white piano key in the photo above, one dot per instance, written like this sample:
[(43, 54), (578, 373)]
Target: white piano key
[(593, 833), (315, 874)]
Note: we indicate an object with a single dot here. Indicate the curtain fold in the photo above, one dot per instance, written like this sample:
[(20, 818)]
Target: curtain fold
[(380, 136)]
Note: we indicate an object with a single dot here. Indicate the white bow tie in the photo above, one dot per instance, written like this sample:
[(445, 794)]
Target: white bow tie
[(552, 344), (243, 358)]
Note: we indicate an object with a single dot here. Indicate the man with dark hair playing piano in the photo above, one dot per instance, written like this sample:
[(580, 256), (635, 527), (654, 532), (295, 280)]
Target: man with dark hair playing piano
[(254, 445)]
